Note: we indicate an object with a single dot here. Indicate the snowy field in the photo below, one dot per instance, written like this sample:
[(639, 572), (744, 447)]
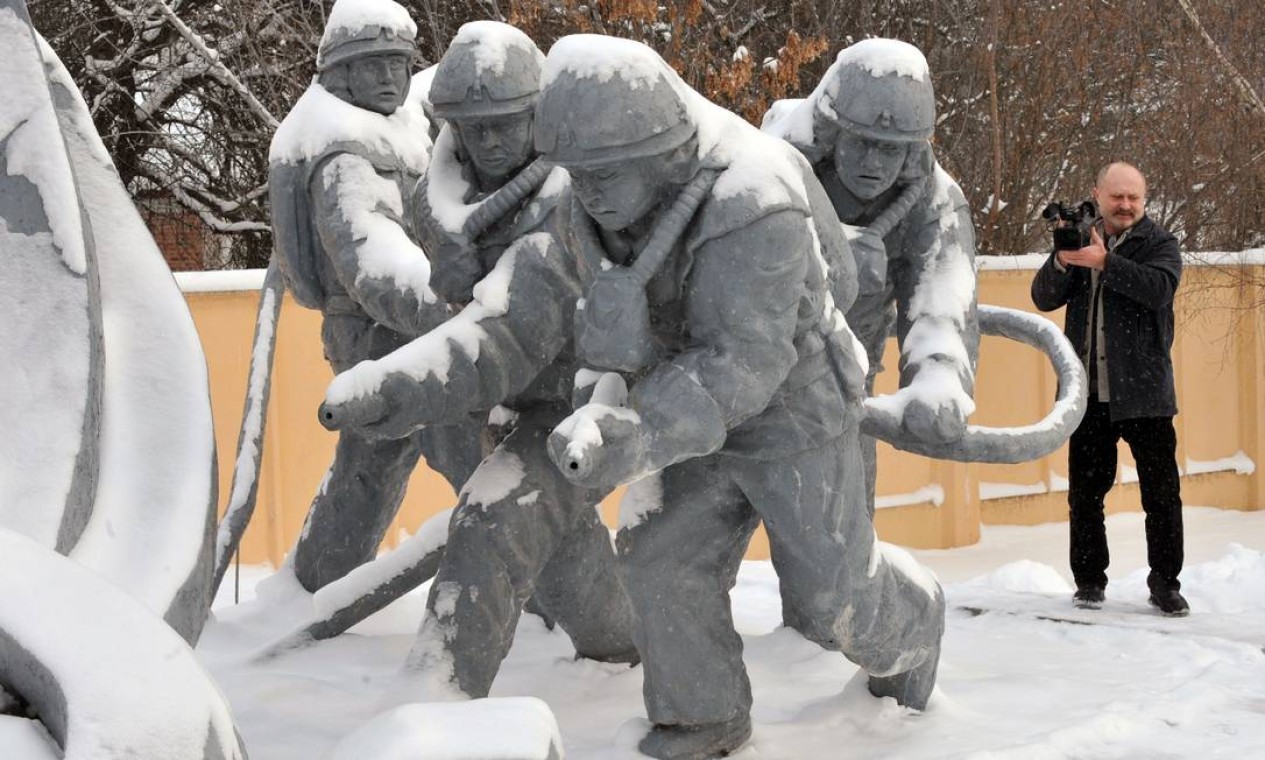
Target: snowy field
[(1014, 683)]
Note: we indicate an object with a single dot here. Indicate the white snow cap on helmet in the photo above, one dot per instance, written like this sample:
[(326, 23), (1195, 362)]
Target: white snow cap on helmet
[(881, 57), (358, 27), (605, 99), (492, 42), (602, 57)]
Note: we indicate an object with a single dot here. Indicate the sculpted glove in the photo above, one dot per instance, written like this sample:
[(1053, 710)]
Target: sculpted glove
[(939, 405), (871, 259), (402, 404), (600, 446)]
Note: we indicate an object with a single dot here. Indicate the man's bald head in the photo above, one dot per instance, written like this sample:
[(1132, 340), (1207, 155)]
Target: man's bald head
[(1120, 193)]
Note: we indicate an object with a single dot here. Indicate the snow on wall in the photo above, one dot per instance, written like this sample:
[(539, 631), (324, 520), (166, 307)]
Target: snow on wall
[(251, 279)]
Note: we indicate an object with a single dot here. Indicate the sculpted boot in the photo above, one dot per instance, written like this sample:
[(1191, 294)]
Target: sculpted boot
[(697, 742), (912, 688)]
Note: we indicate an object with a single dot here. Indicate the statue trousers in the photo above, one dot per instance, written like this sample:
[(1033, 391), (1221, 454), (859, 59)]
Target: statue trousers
[(520, 531), (838, 590), (365, 484)]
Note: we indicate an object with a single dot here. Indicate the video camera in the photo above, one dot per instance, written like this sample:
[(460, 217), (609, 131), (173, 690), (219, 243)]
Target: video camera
[(1071, 225)]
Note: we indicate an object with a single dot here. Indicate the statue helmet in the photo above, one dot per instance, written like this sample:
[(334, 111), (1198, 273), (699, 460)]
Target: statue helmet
[(605, 99), (880, 88), (489, 69), (365, 27)]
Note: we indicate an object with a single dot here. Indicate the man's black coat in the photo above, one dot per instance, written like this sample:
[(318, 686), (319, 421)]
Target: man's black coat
[(1137, 288)]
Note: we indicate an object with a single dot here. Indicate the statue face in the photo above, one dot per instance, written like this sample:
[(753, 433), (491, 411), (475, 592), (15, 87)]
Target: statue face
[(867, 167), (498, 145), (619, 194), (378, 82)]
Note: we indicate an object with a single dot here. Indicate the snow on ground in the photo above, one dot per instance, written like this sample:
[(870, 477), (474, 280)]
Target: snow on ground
[(1012, 684)]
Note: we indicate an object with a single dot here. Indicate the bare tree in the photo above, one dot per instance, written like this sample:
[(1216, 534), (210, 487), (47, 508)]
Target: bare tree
[(1033, 97)]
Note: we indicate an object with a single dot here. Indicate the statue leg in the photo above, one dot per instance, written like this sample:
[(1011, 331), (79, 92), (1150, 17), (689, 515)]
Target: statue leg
[(581, 590), (454, 451), (357, 501), (871, 319), (839, 588), (364, 485), (515, 513), (679, 562)]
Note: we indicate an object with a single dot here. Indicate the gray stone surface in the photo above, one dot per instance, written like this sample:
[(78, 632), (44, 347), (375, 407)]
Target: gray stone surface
[(705, 252), (373, 300), (520, 531), (132, 690), (866, 128)]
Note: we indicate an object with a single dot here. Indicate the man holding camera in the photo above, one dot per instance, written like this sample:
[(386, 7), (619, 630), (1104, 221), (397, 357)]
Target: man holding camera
[(1118, 288)]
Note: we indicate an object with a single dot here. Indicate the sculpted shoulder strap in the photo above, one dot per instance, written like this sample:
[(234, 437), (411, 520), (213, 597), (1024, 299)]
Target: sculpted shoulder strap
[(612, 330), (499, 203), (673, 224), (900, 207)]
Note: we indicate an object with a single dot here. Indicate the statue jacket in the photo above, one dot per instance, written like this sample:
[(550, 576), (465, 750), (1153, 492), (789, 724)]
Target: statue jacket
[(755, 358), (338, 179), (928, 288), (1137, 288), (444, 202)]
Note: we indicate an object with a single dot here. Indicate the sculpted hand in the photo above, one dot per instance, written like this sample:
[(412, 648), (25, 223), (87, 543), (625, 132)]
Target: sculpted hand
[(455, 274), (937, 404), (871, 257), (400, 406), (934, 422), (599, 446)]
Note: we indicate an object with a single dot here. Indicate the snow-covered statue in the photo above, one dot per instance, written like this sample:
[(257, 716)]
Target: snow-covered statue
[(107, 484), (481, 191), (866, 128), (520, 530), (108, 452), (707, 251), (341, 167)]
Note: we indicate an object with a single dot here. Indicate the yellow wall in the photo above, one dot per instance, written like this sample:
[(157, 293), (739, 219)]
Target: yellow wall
[(1220, 358)]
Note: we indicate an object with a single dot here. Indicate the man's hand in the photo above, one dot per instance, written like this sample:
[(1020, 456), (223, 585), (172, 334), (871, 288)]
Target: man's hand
[(599, 446), (1093, 256)]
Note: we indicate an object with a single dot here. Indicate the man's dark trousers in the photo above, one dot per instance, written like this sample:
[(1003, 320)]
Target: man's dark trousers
[(1092, 470)]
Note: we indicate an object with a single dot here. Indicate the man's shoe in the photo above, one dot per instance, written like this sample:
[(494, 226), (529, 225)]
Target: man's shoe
[(697, 742), (1089, 598), (1170, 602)]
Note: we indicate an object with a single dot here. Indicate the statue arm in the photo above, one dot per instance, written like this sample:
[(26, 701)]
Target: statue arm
[(938, 327), (742, 310), (359, 218), (516, 326)]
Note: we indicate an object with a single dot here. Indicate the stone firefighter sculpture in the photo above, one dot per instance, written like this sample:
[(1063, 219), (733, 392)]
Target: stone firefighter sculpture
[(709, 285), (340, 168), (520, 530), (866, 129)]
